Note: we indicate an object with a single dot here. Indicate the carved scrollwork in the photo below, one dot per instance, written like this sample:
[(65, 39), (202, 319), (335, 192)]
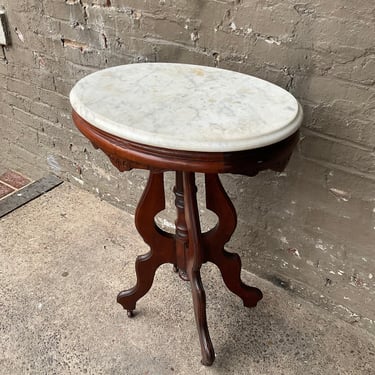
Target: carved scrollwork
[(122, 164)]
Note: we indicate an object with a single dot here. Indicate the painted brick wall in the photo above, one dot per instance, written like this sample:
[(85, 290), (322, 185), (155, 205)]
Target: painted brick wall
[(310, 229)]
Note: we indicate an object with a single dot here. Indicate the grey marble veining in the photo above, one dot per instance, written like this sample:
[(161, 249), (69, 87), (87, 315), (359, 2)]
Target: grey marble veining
[(186, 107)]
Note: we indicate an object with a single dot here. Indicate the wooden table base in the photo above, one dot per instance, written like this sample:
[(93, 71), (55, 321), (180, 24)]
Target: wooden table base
[(188, 248)]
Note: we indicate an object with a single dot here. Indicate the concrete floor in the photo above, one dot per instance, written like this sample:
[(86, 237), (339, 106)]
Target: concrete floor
[(66, 255)]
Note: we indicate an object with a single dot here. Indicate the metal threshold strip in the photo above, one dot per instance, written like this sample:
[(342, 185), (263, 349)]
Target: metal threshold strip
[(28, 193)]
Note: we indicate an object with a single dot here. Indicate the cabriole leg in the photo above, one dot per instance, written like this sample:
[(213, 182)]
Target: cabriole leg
[(229, 264), (161, 243)]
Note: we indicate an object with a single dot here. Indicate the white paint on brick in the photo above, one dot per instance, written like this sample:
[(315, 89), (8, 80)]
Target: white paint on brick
[(340, 194), (271, 40), (284, 240), (20, 35), (53, 163), (194, 36), (321, 246)]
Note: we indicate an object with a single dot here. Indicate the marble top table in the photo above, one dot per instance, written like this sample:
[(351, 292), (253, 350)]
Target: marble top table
[(186, 107), (187, 119)]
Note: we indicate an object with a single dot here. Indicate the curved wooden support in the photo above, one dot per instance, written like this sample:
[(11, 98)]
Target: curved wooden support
[(229, 264), (218, 202), (194, 262), (151, 203), (161, 243), (188, 248)]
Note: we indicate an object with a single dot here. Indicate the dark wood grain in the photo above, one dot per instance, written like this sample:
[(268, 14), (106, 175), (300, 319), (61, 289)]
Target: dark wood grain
[(161, 243), (229, 264), (188, 248), (136, 155)]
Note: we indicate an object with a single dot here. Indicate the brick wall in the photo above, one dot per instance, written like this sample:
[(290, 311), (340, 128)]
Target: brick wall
[(310, 229)]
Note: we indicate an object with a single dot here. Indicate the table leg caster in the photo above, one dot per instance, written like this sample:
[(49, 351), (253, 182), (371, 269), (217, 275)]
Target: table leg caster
[(130, 313)]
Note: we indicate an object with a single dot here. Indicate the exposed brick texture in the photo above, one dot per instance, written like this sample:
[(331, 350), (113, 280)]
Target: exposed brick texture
[(310, 229), (14, 179), (5, 190)]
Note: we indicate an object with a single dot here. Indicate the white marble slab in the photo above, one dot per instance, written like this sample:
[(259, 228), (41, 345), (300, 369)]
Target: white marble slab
[(186, 107)]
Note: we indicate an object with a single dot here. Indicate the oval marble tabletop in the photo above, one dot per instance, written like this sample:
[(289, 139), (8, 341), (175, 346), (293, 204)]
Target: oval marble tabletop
[(186, 107)]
